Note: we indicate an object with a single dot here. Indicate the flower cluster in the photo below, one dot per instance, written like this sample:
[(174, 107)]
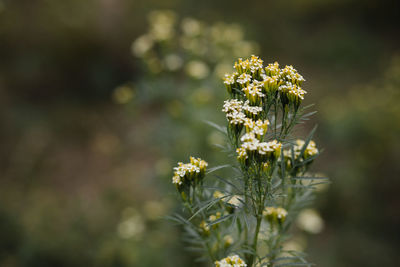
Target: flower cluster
[(234, 114), (252, 148), (254, 88), (273, 214), (231, 261), (260, 85), (187, 173), (310, 151)]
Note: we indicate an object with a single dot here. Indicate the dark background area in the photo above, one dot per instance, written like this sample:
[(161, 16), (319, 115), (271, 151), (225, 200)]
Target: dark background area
[(80, 173)]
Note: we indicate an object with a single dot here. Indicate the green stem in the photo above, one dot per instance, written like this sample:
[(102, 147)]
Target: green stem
[(275, 118), (246, 201), (291, 124), (209, 251), (283, 122), (254, 246)]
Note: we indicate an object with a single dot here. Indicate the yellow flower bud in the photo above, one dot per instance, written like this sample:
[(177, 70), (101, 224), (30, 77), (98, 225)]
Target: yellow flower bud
[(281, 214), (269, 213)]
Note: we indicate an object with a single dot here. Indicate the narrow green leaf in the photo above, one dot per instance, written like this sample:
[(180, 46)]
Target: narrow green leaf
[(310, 178), (207, 206), (294, 264), (213, 169), (227, 182), (307, 141), (222, 219), (216, 126), (286, 258)]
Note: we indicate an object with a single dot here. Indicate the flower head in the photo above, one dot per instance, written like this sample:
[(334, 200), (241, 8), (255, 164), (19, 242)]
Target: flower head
[(231, 261), (311, 149), (273, 214), (254, 94), (251, 111), (188, 173)]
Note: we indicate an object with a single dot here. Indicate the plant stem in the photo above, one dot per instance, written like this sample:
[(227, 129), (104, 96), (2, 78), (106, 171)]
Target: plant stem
[(254, 246), (275, 118), (246, 200)]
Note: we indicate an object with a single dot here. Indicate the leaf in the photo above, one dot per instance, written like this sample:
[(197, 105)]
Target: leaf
[(306, 107), (213, 169), (216, 126), (299, 186), (192, 232), (309, 114), (208, 205), (222, 219), (310, 178), (201, 259), (234, 220), (277, 184), (287, 258), (172, 218), (319, 183), (194, 249), (227, 182), (304, 162), (245, 221), (283, 167), (307, 141), (177, 218), (221, 147), (294, 264)]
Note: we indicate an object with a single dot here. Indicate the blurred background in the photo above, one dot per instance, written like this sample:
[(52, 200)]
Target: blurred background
[(100, 98)]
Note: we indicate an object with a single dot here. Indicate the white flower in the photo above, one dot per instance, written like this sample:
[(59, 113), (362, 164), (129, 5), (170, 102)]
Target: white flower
[(310, 221), (191, 27), (236, 117), (173, 62), (244, 78), (231, 261), (176, 179), (197, 69), (142, 45), (232, 105)]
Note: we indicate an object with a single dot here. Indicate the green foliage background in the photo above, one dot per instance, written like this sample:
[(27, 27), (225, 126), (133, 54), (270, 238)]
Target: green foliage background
[(84, 180)]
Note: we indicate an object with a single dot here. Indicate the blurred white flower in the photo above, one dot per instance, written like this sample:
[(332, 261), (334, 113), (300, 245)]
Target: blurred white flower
[(310, 221), (191, 27), (163, 166), (233, 33), (173, 62), (221, 69), (142, 45), (154, 209), (132, 224), (123, 94), (201, 96), (298, 244), (162, 24), (197, 69), (244, 48), (196, 46)]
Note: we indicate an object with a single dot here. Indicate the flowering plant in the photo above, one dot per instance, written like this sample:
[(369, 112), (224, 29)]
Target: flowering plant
[(244, 220)]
